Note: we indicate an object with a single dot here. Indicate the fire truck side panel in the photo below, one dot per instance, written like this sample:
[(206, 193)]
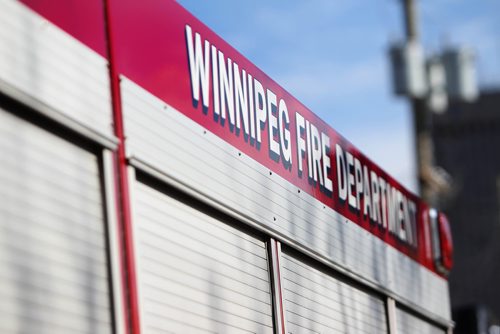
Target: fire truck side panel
[(196, 273), (408, 323), (318, 303), (167, 141), (39, 59), (217, 240), (53, 252)]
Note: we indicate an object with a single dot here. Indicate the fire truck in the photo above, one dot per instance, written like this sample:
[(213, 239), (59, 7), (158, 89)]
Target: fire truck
[(154, 180)]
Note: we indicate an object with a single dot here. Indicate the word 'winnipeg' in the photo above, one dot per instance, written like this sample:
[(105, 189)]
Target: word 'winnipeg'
[(248, 106)]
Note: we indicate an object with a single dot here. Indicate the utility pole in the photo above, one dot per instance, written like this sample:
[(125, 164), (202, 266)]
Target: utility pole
[(429, 84), (421, 117)]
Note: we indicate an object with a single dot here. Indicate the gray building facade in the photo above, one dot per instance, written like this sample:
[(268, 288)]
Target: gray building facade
[(467, 146)]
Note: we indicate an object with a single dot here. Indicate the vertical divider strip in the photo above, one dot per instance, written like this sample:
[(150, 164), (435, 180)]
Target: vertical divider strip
[(113, 241), (391, 315), (130, 294), (278, 309), (132, 180)]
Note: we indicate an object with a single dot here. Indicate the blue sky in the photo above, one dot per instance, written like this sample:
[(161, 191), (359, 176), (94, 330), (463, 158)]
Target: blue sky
[(332, 56)]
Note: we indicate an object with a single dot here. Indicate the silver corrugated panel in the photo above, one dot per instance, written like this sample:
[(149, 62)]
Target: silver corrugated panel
[(46, 63), (409, 324), (53, 267), (318, 303), (197, 274), (165, 139)]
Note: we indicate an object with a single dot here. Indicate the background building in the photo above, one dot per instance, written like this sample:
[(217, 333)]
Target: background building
[(467, 146)]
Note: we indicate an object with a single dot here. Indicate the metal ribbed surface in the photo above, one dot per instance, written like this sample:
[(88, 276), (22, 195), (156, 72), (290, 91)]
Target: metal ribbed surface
[(318, 303), (46, 63), (162, 137), (53, 267), (197, 274), (409, 324)]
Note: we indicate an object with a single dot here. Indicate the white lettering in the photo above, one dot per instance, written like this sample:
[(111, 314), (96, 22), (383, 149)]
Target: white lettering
[(350, 178), (341, 173), (274, 146), (325, 144), (358, 173), (375, 198), (301, 144), (367, 203), (284, 124), (260, 109), (241, 97), (198, 65), (316, 155), (226, 88)]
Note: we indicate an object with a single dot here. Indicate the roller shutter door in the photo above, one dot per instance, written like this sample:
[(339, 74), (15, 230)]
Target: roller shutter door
[(197, 274), (318, 303), (409, 324), (53, 263)]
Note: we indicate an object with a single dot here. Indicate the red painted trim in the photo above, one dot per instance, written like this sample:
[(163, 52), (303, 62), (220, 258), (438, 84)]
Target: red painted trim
[(84, 20), (129, 276), (280, 290), (121, 243)]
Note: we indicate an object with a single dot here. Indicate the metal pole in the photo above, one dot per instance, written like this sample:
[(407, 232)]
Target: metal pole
[(421, 114), (410, 14)]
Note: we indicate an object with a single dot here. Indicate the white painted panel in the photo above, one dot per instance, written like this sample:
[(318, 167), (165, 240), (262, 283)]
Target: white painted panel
[(409, 324), (53, 264), (318, 303), (41, 60), (162, 137), (197, 274)]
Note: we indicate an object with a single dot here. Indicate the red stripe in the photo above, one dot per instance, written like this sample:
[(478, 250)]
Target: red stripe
[(129, 276), (81, 19)]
